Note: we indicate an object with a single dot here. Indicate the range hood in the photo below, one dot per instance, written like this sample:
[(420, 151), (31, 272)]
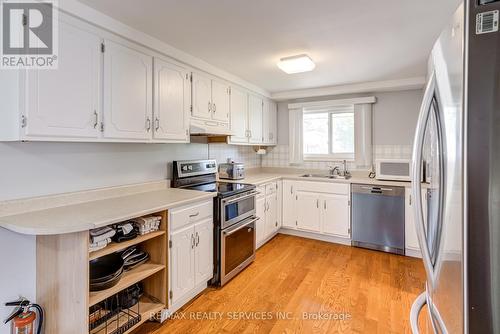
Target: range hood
[(209, 128)]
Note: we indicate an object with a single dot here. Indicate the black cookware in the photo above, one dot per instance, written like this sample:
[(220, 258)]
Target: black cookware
[(105, 271)]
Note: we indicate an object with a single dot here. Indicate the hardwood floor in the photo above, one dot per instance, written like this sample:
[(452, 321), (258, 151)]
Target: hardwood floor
[(302, 280)]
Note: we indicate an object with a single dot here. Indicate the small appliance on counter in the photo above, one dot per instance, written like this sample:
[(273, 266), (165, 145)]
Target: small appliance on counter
[(393, 169), (232, 171)]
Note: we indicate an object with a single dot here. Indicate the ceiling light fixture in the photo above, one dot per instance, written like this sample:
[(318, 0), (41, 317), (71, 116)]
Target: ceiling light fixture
[(296, 64)]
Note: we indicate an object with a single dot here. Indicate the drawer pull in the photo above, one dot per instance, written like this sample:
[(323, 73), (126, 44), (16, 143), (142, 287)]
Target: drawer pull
[(194, 215)]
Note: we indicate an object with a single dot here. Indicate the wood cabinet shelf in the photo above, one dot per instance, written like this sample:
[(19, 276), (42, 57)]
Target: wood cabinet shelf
[(129, 277), (119, 246)]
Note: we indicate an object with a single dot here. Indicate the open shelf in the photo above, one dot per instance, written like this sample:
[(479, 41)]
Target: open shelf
[(147, 307), (118, 246), (129, 277)]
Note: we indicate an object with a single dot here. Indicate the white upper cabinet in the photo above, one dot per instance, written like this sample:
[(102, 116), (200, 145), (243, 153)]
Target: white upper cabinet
[(220, 101), (128, 96), (269, 122), (172, 98), (255, 105), (239, 115), (65, 103), (202, 96), (336, 217)]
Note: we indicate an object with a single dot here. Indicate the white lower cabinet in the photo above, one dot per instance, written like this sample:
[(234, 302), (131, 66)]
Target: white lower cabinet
[(336, 215), (191, 252), (317, 207), (267, 208), (411, 240)]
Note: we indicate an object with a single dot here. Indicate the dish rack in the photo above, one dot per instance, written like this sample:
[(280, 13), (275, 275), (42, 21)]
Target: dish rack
[(110, 317)]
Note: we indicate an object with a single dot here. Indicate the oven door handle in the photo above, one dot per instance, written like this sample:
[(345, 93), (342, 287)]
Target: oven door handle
[(239, 226), (253, 193)]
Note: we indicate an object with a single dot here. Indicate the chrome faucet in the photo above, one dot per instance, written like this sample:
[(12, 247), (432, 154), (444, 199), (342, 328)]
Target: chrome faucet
[(333, 170)]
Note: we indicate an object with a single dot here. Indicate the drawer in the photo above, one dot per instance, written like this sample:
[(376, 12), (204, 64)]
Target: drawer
[(271, 188), (261, 191), (186, 215)]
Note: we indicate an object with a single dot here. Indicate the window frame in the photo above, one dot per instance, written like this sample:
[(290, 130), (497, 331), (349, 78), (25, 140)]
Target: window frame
[(350, 156)]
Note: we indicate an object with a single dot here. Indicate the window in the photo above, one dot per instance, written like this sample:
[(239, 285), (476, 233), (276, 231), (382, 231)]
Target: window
[(329, 134)]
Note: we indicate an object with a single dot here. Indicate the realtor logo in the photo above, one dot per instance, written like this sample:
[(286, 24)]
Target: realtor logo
[(29, 34)]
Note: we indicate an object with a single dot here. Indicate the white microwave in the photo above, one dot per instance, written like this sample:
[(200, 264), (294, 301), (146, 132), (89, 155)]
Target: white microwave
[(393, 169)]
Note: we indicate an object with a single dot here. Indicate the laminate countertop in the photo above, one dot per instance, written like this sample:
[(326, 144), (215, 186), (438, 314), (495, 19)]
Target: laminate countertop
[(93, 214), (258, 176)]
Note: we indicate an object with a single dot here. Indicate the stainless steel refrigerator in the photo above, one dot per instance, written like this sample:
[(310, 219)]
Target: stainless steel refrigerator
[(457, 139)]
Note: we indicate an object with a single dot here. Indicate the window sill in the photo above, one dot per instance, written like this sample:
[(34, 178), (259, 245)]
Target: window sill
[(327, 158)]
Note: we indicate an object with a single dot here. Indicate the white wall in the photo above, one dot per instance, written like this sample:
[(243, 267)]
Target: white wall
[(37, 169), (394, 120)]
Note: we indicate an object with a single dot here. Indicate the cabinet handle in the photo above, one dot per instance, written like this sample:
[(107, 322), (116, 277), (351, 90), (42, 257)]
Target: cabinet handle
[(96, 119), (192, 241), (215, 107), (317, 203), (209, 106), (157, 121), (325, 204), (410, 199), (148, 124), (197, 239), (194, 215), (291, 190)]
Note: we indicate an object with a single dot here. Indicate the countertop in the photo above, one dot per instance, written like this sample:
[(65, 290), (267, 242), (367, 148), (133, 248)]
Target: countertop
[(258, 176), (93, 214)]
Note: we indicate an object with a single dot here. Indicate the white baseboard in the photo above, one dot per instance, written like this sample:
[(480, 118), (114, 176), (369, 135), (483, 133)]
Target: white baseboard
[(413, 252), (263, 242), (316, 236)]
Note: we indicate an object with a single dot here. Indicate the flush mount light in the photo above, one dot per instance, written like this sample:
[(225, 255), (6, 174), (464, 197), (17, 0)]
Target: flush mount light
[(296, 64)]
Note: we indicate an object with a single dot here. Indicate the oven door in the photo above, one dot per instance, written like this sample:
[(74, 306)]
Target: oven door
[(236, 208), (237, 248)]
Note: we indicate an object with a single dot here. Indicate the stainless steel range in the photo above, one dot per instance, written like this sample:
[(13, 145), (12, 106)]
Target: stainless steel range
[(234, 216)]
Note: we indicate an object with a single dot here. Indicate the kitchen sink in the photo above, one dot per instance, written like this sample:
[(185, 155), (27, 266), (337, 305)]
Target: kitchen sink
[(340, 177)]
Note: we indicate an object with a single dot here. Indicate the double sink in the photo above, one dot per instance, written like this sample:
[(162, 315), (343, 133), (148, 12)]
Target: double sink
[(340, 177)]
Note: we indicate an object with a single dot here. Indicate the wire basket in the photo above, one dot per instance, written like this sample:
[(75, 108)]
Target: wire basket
[(116, 314)]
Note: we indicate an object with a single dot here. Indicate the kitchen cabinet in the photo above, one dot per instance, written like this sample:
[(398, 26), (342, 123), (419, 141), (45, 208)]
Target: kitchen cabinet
[(66, 103), (255, 113), (182, 262), (412, 246), (239, 116), (269, 122), (128, 95), (267, 210), (210, 98), (172, 100), (191, 251), (336, 215), (288, 212), (308, 210)]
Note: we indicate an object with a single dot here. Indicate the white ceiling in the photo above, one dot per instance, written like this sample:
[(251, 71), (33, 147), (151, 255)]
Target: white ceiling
[(350, 41)]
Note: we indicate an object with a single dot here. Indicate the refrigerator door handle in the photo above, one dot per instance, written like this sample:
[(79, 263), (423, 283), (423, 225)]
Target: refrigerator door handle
[(416, 178), (416, 307)]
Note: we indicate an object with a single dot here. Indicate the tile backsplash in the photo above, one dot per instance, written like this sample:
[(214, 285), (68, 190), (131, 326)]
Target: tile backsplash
[(278, 157), (245, 154)]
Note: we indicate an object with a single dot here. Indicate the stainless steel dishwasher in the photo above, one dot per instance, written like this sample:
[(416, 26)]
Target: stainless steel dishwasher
[(378, 217)]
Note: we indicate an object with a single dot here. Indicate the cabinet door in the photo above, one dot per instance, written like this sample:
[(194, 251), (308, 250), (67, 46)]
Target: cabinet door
[(260, 228), (255, 119), (269, 122), (336, 216), (182, 261), (411, 239), (204, 251), (128, 96), (272, 119), (272, 214), (220, 101), (239, 115), (279, 204), (66, 102), (172, 100), (202, 96), (308, 211), (289, 215)]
